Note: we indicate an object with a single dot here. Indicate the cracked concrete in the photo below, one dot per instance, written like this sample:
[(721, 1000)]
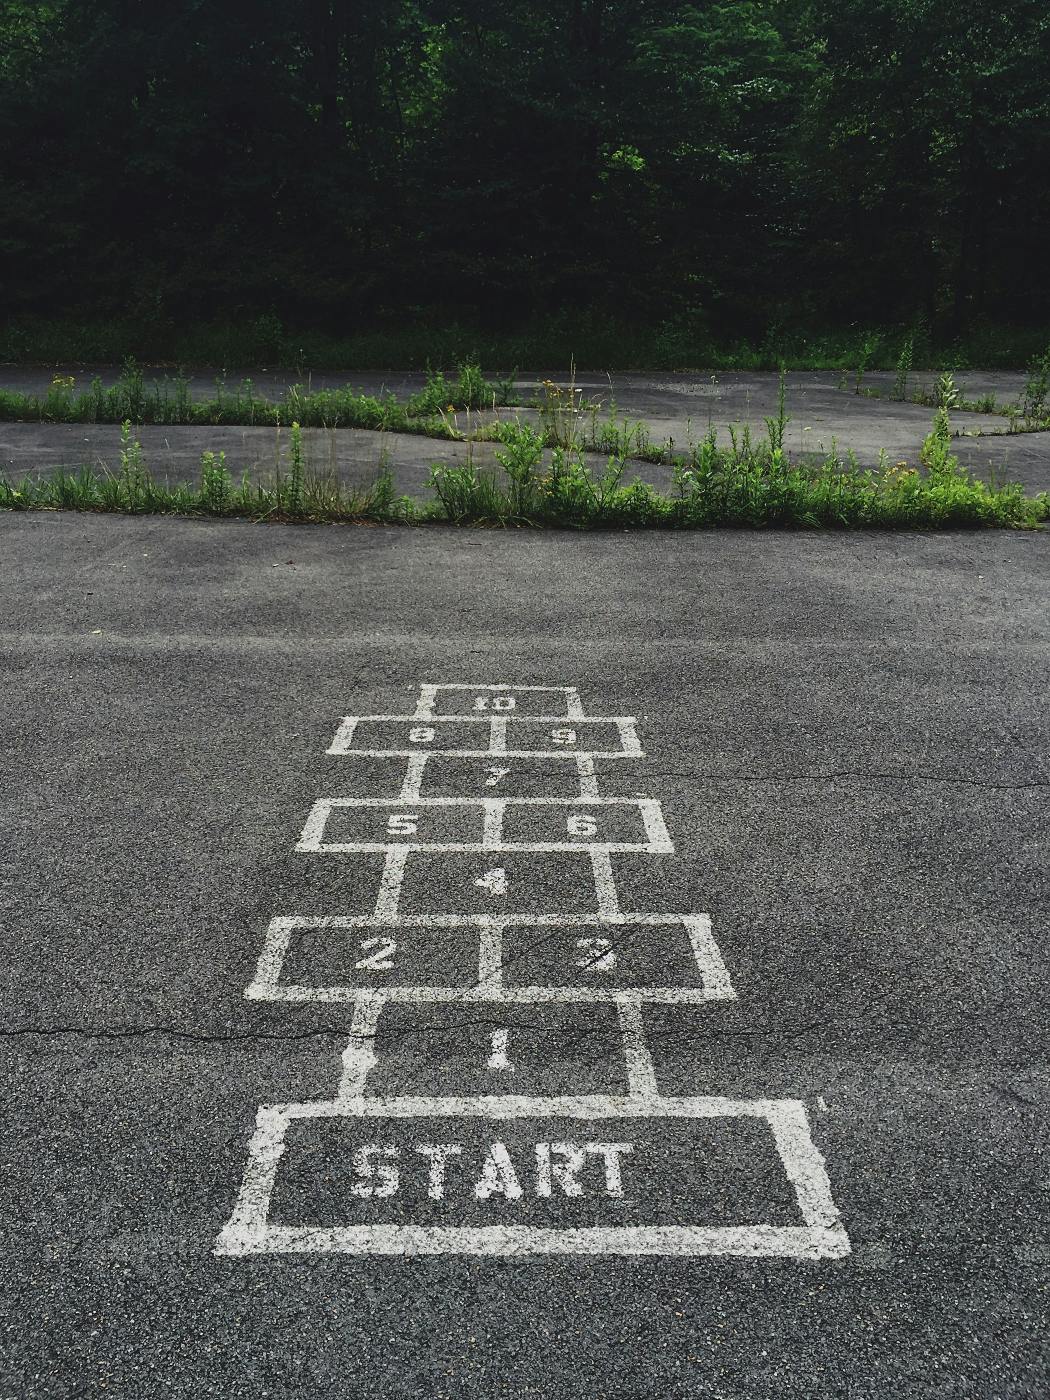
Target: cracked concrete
[(679, 407)]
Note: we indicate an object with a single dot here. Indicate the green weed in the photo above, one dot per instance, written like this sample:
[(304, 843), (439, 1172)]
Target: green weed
[(904, 359), (1033, 397), (746, 485)]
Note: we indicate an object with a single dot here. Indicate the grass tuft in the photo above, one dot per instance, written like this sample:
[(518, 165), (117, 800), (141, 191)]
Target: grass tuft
[(747, 486)]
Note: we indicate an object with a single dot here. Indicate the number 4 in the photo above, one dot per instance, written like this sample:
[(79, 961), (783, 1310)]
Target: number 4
[(495, 881)]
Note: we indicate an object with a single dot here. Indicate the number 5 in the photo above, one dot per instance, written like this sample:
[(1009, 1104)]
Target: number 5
[(581, 826)]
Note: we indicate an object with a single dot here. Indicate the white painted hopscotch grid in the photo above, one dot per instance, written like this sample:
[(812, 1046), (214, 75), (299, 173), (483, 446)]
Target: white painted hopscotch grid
[(499, 724)]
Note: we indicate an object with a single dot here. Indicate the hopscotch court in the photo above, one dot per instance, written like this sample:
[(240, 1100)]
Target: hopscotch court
[(511, 1157)]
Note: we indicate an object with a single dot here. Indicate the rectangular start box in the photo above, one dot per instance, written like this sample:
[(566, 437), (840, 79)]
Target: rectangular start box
[(510, 1176)]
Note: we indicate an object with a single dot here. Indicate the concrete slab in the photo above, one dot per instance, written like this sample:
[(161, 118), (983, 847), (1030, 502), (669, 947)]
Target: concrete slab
[(679, 408)]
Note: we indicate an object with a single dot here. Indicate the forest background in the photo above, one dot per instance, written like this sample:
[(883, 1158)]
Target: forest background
[(629, 183)]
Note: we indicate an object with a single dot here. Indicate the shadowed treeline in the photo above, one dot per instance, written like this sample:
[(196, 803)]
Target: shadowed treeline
[(706, 172)]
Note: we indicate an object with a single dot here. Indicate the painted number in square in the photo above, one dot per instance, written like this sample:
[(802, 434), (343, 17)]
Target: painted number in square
[(563, 736), (379, 955), (581, 826), (596, 955), (500, 703), (495, 881), (406, 824), (494, 775), (422, 734)]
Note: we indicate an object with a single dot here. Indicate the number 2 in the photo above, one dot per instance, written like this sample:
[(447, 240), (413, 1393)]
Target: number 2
[(382, 960)]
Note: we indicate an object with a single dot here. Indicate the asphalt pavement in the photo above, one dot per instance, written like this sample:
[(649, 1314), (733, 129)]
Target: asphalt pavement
[(291, 1116)]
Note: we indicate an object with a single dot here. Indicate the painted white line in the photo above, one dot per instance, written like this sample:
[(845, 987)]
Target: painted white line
[(709, 960), (803, 1163), (498, 734), (487, 753), (312, 840), (655, 827), (628, 737), (642, 803), (507, 685), (586, 1107), (822, 1237), (343, 735), (604, 885), (739, 1241), (359, 1056), (507, 995), (247, 1232), (390, 887), (413, 778), (490, 956), (588, 780), (312, 834), (425, 705), (478, 847), (641, 1076), (625, 723), (616, 919), (492, 839), (276, 943), (573, 704), (498, 1059)]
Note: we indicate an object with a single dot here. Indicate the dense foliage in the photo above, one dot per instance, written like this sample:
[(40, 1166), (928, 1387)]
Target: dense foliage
[(707, 168)]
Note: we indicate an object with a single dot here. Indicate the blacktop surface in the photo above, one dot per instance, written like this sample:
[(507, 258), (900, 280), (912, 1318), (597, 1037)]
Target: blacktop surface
[(681, 407), (848, 738)]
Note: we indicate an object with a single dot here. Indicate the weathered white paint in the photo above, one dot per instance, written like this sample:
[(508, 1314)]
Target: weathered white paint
[(490, 954), (491, 813), (390, 885), (359, 1056), (438, 1155), (821, 1235), (558, 1165), (414, 770), (267, 986), (641, 1076), (604, 884), (500, 1043)]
